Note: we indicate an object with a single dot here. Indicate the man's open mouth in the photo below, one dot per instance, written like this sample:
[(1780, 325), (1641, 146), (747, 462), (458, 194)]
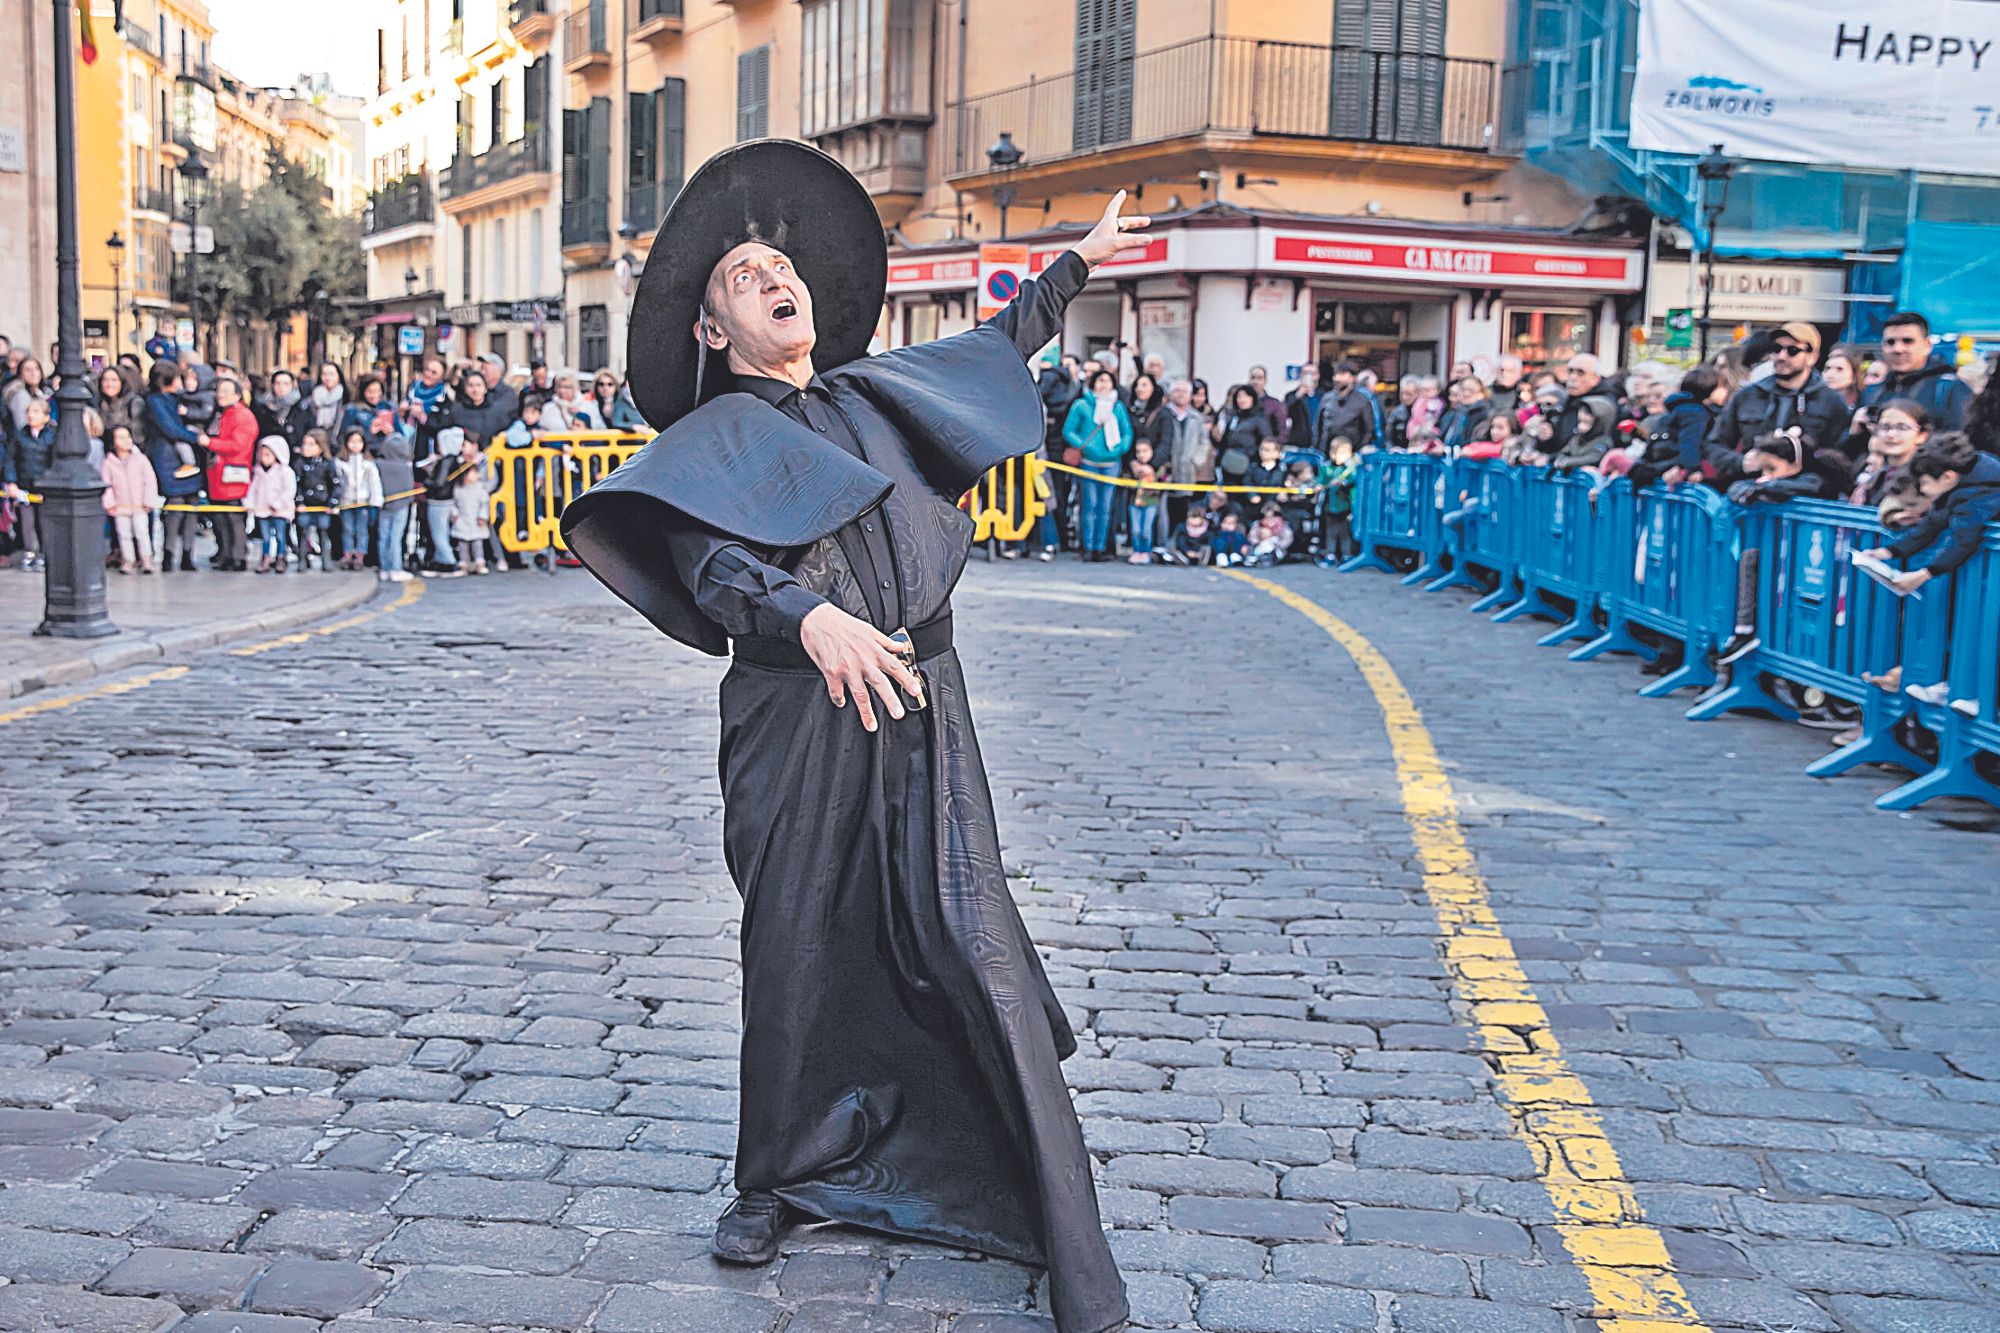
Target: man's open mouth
[(784, 310)]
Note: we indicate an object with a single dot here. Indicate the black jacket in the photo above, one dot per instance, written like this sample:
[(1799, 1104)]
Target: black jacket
[(1934, 385), (292, 423), (1460, 426), (1761, 407), (483, 424), (1956, 525), (316, 480), (1350, 416), (1688, 422)]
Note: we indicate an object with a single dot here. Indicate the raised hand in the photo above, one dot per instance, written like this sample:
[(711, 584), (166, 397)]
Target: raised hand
[(1112, 234)]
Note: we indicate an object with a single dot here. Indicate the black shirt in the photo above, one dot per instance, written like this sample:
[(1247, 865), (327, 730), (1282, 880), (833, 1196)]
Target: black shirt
[(866, 541)]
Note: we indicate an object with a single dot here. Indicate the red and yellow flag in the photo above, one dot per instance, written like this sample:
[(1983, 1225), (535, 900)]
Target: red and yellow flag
[(85, 36)]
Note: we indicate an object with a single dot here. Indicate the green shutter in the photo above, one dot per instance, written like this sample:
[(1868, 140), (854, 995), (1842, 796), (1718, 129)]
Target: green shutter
[(753, 94)]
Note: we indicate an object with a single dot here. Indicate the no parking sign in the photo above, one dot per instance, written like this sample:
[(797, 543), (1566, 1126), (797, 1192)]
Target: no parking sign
[(1002, 270)]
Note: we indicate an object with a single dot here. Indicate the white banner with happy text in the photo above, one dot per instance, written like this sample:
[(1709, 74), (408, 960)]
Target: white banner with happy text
[(1880, 83)]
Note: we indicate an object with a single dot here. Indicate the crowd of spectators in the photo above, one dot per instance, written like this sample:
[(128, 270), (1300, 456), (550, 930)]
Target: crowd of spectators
[(317, 471), (1771, 418)]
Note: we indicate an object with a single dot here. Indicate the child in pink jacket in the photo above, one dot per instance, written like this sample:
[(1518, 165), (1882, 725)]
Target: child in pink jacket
[(272, 501), (131, 493)]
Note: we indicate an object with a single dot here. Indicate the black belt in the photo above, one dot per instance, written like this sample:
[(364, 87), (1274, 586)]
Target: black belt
[(930, 640)]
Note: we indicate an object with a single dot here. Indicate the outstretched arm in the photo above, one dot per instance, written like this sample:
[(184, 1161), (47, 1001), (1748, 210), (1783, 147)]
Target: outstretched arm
[(1035, 315)]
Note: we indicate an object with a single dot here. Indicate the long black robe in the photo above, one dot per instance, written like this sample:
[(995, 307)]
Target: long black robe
[(901, 1044)]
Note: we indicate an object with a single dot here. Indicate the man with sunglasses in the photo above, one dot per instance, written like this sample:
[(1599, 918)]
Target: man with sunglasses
[(1794, 395)]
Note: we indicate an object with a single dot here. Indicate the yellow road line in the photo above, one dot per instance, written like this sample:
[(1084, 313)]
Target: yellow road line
[(116, 687), (411, 592), (1598, 1216)]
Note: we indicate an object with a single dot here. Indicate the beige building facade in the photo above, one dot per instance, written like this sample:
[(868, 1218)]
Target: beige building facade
[(27, 178), (1330, 178)]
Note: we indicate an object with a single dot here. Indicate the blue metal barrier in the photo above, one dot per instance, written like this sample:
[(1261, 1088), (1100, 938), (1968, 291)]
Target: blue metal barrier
[(1557, 540), (1667, 551), (1969, 664), (1667, 558), (1397, 505), (1820, 623), (1478, 529)]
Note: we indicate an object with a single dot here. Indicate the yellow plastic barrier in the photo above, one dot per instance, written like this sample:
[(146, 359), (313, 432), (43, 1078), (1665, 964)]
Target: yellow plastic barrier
[(531, 486), (1006, 503)]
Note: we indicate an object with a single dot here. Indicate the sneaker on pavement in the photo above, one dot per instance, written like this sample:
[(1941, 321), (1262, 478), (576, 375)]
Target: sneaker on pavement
[(1937, 694), (1741, 644)]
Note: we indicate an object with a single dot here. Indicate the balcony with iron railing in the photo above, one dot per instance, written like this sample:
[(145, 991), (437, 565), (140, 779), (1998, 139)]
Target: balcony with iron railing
[(589, 48), (586, 221), (1236, 86), (653, 20), (197, 71), (399, 204), (140, 38), (530, 21), (525, 156), (147, 199)]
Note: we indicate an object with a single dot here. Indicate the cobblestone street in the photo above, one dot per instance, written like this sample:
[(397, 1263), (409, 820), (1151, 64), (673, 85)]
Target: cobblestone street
[(386, 981)]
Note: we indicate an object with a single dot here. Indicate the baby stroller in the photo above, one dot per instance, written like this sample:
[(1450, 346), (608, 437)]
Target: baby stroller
[(1305, 513)]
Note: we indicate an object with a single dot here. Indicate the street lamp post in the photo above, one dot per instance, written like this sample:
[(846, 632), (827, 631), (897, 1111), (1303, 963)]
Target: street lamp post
[(72, 515), (410, 281), (1714, 171), (116, 245), (1004, 155), (627, 270), (193, 173)]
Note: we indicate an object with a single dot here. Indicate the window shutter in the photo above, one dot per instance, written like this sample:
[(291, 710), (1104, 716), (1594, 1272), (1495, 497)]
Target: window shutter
[(600, 148), (673, 139), (1106, 47), (641, 124), (535, 95), (576, 128), (753, 94)]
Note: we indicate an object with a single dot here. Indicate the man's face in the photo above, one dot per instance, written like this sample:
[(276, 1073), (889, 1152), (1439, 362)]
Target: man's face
[(1581, 375), (1343, 379), (1510, 369), (759, 307), (1181, 396), (1308, 379), (433, 372), (225, 392), (490, 373), (1258, 379), (1156, 366), (540, 376), (1406, 392), (1791, 359), (1904, 348)]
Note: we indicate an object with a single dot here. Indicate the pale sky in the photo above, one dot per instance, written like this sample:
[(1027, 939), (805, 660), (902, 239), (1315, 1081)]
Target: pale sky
[(271, 42)]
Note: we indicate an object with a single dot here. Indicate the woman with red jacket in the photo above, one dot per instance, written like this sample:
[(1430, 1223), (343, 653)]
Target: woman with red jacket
[(232, 449)]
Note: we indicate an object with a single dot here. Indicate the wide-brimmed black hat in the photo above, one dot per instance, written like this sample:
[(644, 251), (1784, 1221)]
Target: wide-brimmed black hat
[(790, 196)]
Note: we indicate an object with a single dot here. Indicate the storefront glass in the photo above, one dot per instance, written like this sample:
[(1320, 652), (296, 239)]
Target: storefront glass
[(1547, 339)]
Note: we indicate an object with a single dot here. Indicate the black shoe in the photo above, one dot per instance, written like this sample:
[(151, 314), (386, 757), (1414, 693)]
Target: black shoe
[(1741, 644), (1663, 665), (748, 1230), (187, 563)]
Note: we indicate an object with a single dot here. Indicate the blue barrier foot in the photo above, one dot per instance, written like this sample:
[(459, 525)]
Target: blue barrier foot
[(1428, 570), (1954, 776), (1532, 603), (1503, 592), (1368, 559), (1579, 626), (1744, 693), (1694, 671), (1880, 747), (1617, 638), (1461, 576)]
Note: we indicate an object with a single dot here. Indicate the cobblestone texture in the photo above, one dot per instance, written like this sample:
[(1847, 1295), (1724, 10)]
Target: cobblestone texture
[(387, 983)]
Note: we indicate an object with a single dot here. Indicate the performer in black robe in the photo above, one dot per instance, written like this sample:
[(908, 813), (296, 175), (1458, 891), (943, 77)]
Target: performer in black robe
[(901, 1044)]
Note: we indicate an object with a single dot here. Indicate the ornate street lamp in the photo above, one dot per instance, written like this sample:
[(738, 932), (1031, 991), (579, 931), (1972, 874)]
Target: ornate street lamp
[(72, 517), (1004, 155), (194, 175), (116, 245), (1714, 171)]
